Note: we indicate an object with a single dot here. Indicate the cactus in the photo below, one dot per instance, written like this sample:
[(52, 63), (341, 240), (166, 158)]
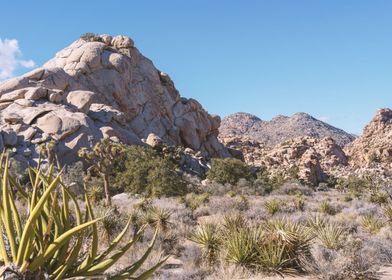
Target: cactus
[(49, 244)]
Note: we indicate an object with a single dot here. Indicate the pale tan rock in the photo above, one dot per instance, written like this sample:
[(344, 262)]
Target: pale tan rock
[(59, 124), (104, 88), (153, 140), (81, 99), (13, 95), (122, 42), (374, 147), (36, 93)]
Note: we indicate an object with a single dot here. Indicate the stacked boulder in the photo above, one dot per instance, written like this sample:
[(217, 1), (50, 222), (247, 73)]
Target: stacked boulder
[(100, 87)]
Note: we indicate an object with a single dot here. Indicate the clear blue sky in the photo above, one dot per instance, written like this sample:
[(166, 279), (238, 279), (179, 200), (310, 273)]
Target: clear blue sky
[(332, 58)]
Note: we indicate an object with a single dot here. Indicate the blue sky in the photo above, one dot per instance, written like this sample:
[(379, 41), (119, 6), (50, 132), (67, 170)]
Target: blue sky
[(331, 59)]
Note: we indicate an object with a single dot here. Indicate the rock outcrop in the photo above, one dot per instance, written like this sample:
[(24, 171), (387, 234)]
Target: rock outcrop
[(280, 129), (100, 86), (312, 159), (374, 147)]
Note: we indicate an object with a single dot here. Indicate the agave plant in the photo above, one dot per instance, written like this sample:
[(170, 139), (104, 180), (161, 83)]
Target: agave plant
[(49, 244)]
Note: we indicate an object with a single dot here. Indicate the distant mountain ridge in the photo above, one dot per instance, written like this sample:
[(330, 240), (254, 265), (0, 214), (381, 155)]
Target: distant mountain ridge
[(280, 129)]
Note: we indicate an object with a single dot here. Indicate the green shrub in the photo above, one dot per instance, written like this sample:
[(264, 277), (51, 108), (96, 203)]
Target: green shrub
[(353, 184), (145, 172), (271, 181), (228, 170)]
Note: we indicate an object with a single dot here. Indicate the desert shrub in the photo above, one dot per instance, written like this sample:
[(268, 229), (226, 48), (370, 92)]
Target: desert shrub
[(112, 222), (240, 245), (330, 234), (145, 172), (327, 208), (353, 184), (74, 176), (194, 201), (18, 172), (294, 188), (299, 203), (271, 181), (228, 170), (235, 221), (209, 239), (348, 198), (351, 263), (372, 224), (277, 246), (379, 198), (241, 203), (157, 217), (90, 37), (388, 213), (272, 206)]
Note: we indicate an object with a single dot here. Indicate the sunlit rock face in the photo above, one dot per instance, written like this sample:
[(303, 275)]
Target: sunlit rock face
[(100, 86)]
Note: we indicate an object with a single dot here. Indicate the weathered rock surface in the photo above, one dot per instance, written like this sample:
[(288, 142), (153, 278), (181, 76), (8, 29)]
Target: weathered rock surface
[(312, 159), (374, 147), (280, 129), (101, 88)]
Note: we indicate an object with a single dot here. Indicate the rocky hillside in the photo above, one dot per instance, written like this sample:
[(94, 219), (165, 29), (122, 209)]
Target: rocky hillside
[(374, 147), (100, 86), (312, 159), (280, 129)]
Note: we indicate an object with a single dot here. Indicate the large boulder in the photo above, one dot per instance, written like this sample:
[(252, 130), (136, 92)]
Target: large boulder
[(101, 87)]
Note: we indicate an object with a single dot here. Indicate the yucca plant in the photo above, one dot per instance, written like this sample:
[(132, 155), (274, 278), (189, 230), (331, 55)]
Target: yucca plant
[(371, 224), (272, 206), (158, 217), (208, 237), (330, 234), (299, 203), (272, 258), (240, 245), (296, 240), (49, 244), (326, 208), (234, 222), (388, 213)]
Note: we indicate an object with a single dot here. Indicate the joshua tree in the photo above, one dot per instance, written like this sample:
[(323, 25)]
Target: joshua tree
[(102, 158)]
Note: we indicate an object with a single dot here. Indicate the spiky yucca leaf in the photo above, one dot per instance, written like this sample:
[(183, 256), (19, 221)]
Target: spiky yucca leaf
[(372, 224), (241, 245), (330, 234), (208, 237), (48, 245)]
